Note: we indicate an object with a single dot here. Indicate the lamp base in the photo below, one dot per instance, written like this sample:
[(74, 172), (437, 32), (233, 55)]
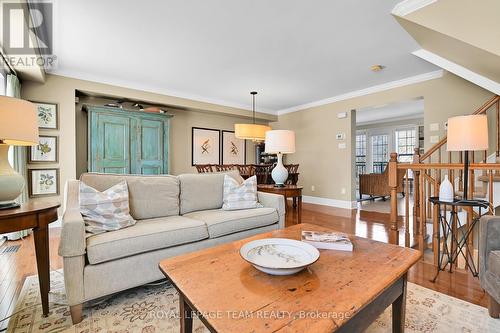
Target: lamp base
[(9, 205), (279, 185), (11, 182), (279, 173)]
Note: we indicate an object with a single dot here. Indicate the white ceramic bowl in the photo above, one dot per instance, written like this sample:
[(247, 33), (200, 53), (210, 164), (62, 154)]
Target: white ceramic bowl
[(279, 256)]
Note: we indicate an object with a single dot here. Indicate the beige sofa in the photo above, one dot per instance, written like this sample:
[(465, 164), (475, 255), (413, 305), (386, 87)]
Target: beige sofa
[(175, 215)]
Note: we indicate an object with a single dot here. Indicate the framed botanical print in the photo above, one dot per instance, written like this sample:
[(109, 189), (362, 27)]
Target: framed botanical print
[(43, 182), (205, 146), (233, 149), (48, 116), (46, 151)]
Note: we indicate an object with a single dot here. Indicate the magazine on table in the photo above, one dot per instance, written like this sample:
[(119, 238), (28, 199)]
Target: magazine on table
[(328, 240)]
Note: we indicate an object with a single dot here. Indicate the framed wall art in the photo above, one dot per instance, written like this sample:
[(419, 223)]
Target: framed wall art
[(48, 115), (233, 149), (43, 182), (205, 146), (47, 150)]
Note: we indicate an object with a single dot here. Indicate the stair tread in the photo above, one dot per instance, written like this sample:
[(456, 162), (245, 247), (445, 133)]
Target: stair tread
[(478, 193), (487, 178)]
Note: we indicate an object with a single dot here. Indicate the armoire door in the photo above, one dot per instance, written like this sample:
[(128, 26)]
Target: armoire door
[(130, 142), (110, 143), (150, 156)]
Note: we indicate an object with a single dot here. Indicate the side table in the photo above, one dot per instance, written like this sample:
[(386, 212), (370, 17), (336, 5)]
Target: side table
[(450, 231), (288, 191), (37, 216)]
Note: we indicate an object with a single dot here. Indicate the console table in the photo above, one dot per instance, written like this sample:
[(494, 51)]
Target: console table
[(37, 216), (288, 191)]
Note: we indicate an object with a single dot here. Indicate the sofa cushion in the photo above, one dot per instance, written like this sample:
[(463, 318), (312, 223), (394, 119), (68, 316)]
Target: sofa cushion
[(494, 263), (240, 196), (201, 191), (222, 222), (149, 196), (144, 236)]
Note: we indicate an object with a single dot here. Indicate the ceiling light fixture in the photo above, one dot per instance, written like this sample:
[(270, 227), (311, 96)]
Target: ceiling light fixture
[(377, 68), (252, 131)]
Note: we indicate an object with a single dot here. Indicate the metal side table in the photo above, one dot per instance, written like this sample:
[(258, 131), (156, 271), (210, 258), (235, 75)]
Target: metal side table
[(450, 231)]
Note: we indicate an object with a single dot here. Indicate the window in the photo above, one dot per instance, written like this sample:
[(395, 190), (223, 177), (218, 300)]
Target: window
[(360, 154), (405, 144), (380, 149)]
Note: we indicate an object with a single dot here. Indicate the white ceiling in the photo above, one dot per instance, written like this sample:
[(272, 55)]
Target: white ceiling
[(408, 109), (292, 52)]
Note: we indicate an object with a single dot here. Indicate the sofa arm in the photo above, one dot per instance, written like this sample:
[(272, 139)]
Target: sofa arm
[(276, 201), (489, 240), (73, 227)]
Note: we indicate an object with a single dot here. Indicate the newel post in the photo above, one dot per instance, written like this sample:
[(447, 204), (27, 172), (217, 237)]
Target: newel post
[(393, 185)]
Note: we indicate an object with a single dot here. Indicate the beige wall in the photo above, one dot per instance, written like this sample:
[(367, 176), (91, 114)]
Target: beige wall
[(73, 142), (328, 168)]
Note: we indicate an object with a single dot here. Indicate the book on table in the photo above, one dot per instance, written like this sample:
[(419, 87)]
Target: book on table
[(328, 240)]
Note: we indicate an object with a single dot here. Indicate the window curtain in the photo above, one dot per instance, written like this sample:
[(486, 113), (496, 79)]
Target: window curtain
[(13, 89)]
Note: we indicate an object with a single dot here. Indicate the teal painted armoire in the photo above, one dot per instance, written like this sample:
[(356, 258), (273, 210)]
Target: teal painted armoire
[(127, 142)]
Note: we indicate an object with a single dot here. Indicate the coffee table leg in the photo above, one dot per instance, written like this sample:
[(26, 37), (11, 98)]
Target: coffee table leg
[(41, 237), (399, 311), (186, 315)]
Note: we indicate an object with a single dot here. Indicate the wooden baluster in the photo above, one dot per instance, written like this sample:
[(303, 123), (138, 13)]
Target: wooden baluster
[(393, 184), (427, 195), (416, 192), (497, 128), (460, 172), (438, 171), (490, 190), (470, 211), (435, 225), (407, 210), (420, 232)]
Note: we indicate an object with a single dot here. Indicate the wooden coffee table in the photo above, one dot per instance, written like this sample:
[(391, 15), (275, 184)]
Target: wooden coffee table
[(341, 292)]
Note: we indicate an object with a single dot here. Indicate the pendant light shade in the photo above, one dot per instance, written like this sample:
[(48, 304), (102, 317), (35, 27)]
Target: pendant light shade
[(252, 131)]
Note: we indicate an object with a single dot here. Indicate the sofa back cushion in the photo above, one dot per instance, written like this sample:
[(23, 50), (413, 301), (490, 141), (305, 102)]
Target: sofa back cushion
[(201, 191), (149, 196)]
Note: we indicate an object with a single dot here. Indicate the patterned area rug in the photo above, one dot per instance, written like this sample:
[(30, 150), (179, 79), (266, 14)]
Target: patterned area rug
[(151, 309)]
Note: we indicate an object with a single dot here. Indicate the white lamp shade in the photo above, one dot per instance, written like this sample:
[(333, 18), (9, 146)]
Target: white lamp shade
[(280, 141), (18, 122), (467, 133), (253, 132)]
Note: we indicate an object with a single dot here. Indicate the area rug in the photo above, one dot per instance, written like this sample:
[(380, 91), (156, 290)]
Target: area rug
[(154, 308)]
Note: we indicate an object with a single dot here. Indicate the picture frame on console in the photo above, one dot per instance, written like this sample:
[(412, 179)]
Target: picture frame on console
[(205, 146), (234, 150), (43, 182)]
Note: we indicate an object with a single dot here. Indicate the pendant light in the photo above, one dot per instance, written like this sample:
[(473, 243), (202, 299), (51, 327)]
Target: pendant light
[(252, 131)]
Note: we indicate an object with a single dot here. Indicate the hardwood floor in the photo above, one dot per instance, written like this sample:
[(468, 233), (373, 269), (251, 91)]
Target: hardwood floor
[(14, 267)]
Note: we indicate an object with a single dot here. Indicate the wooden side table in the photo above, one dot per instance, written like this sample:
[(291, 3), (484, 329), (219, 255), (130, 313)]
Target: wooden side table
[(288, 191), (37, 216)]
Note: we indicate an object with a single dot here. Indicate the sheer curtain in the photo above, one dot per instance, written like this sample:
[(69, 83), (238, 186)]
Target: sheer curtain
[(17, 155)]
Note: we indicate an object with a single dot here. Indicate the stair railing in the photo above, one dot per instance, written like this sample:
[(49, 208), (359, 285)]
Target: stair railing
[(427, 170)]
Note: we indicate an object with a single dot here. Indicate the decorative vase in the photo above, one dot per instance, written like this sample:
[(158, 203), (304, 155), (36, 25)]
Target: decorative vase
[(446, 190), (279, 173)]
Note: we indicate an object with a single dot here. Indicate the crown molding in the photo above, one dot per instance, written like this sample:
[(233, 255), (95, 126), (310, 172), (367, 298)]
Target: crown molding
[(409, 6), (371, 90), (459, 70), (158, 90)]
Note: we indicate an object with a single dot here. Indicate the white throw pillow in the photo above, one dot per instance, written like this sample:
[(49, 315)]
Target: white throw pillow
[(105, 211), (240, 196)]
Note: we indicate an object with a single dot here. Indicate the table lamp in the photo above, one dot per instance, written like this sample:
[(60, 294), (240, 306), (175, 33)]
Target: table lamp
[(280, 142), (18, 127), (467, 133)]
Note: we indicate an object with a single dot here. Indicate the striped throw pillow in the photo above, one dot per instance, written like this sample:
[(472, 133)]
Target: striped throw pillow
[(105, 211), (240, 196)]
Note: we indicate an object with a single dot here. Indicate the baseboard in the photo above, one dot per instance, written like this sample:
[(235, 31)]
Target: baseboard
[(330, 202)]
